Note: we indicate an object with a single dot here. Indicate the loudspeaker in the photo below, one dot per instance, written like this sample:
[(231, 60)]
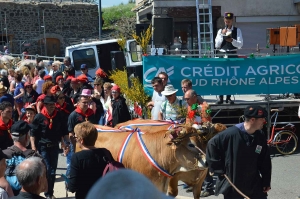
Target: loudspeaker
[(117, 60), (288, 36), (139, 28), (163, 31), (273, 36)]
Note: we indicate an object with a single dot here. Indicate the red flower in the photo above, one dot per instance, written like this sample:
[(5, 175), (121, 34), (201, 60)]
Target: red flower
[(191, 114)]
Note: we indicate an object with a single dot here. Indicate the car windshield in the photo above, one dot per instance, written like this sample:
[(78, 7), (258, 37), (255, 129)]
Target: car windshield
[(84, 56)]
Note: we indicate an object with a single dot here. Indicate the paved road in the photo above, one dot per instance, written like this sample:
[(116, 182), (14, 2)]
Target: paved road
[(285, 179)]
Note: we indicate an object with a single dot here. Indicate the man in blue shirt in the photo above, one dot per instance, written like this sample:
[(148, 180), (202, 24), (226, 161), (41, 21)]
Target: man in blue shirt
[(84, 69)]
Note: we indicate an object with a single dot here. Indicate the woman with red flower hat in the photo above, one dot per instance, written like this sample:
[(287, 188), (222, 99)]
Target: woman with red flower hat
[(120, 112), (30, 95)]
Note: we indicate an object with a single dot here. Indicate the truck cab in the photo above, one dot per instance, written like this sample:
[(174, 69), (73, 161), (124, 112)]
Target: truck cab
[(106, 55)]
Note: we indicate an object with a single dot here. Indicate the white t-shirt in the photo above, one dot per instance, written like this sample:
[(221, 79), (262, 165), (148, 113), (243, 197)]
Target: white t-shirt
[(39, 84), (158, 99)]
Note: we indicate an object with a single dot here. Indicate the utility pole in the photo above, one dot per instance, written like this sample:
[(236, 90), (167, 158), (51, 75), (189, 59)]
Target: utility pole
[(45, 40), (100, 19), (5, 28)]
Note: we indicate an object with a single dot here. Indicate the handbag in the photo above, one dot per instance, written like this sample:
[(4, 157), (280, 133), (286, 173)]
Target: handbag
[(111, 164)]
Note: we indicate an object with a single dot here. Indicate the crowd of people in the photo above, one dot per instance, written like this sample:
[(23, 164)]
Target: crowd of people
[(52, 103), (40, 108)]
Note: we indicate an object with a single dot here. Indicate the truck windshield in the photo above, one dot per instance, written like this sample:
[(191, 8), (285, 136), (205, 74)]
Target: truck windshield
[(84, 56), (135, 51)]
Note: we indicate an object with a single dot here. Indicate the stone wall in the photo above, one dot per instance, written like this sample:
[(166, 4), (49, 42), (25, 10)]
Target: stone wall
[(64, 23)]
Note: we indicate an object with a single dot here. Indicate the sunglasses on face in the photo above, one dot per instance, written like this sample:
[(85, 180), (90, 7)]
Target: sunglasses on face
[(114, 92), (167, 96), (28, 86)]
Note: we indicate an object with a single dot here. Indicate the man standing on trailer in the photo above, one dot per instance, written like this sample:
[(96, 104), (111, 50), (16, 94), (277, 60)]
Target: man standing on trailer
[(241, 152), (228, 40)]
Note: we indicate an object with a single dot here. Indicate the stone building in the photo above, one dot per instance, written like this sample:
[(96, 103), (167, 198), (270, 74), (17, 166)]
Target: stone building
[(252, 16), (46, 28)]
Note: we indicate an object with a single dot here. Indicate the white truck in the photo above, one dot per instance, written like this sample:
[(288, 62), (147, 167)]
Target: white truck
[(106, 55)]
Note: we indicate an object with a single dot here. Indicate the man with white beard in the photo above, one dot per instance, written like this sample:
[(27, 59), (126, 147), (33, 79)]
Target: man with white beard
[(20, 135)]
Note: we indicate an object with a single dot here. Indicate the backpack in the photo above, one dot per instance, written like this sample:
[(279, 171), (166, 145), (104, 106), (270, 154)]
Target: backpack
[(112, 165), (11, 164)]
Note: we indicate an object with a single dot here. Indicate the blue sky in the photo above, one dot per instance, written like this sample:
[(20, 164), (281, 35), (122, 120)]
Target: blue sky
[(108, 3)]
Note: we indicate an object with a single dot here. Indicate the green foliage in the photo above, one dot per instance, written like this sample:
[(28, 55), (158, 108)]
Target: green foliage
[(113, 14)]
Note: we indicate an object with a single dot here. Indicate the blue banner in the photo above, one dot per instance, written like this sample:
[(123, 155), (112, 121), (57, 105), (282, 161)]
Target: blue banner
[(221, 76)]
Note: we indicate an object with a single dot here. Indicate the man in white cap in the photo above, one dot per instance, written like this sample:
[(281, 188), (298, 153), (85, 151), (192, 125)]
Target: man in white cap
[(170, 109)]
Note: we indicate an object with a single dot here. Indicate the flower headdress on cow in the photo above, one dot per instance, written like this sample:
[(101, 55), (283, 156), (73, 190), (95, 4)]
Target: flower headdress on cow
[(201, 110)]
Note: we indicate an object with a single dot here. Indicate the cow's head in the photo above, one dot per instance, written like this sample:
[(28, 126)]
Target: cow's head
[(180, 140)]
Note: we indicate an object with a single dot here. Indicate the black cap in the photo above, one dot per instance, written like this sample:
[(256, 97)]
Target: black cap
[(2, 155), (228, 15), (49, 100), (255, 111), (20, 128)]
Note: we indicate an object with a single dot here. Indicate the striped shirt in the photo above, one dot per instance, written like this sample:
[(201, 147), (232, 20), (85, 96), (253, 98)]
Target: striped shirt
[(172, 111)]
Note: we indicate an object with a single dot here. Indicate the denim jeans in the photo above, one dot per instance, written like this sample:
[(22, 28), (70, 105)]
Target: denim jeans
[(50, 155), (69, 156), (102, 119), (208, 184)]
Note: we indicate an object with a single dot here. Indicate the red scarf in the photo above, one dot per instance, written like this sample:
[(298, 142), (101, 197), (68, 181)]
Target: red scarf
[(5, 127), (87, 113), (63, 107), (45, 113)]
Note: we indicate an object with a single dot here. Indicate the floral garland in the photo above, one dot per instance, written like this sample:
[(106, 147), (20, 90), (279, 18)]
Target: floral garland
[(196, 110)]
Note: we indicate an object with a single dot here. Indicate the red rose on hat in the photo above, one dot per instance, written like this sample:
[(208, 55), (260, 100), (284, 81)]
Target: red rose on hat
[(116, 88), (55, 89), (74, 80), (28, 84), (47, 77), (101, 73), (82, 78), (59, 78)]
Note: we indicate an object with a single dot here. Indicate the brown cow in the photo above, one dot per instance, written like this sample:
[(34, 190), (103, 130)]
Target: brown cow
[(193, 178), (172, 154)]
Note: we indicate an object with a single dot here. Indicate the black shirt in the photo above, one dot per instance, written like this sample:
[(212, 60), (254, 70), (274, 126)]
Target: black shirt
[(42, 132), (30, 98), (76, 118), (55, 75), (120, 112), (5, 137), (26, 195), (87, 167), (74, 96)]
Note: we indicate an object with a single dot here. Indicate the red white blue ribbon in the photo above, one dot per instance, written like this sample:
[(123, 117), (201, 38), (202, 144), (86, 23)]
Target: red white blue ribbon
[(149, 157), (123, 147), (130, 128), (112, 130)]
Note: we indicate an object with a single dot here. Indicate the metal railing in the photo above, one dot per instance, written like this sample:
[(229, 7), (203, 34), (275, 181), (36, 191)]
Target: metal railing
[(33, 57)]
